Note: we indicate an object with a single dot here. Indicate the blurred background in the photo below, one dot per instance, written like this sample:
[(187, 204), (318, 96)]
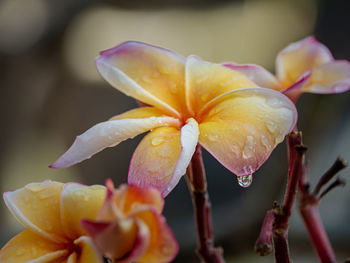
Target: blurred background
[(50, 92)]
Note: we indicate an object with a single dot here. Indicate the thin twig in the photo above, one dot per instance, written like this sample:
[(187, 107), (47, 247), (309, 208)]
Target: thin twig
[(197, 183)]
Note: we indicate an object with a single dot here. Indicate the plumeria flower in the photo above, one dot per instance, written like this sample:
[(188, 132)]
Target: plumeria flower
[(130, 227), (303, 66), (51, 213), (192, 101)]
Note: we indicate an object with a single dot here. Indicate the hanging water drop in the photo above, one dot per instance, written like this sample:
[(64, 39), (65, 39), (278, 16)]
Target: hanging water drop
[(245, 180)]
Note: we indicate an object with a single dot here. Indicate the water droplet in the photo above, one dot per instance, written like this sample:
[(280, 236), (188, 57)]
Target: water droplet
[(265, 142), (173, 88), (20, 251), (274, 102), (147, 79), (204, 97), (213, 137), (248, 150), (245, 180), (271, 125), (34, 187), (236, 150), (157, 141)]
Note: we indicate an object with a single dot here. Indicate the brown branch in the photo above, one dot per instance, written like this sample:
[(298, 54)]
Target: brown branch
[(263, 245), (197, 183)]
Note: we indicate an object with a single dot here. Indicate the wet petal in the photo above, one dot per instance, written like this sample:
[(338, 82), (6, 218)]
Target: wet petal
[(162, 157), (140, 113), (243, 127), (150, 74), (162, 246), (37, 207), (78, 202), (108, 134), (28, 245), (205, 81), (257, 74), (299, 57), (88, 251), (130, 197), (332, 77)]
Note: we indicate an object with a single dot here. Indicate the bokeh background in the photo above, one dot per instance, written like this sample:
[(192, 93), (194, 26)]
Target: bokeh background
[(50, 92)]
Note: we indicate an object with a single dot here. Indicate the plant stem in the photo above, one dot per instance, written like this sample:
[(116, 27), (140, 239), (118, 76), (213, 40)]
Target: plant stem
[(280, 227), (197, 183)]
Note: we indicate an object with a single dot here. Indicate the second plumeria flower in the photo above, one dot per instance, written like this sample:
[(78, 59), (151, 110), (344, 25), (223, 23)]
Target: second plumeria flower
[(192, 101), (303, 66)]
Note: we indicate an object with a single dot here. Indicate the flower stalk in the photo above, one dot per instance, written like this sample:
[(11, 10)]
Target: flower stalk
[(197, 183)]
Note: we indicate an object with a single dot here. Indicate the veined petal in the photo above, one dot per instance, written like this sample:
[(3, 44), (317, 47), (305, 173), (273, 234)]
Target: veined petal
[(332, 77), (257, 74), (36, 206), (78, 202), (88, 251), (148, 73), (130, 197), (162, 246), (108, 134), (163, 156), (154, 160), (241, 128), (299, 57), (205, 81), (28, 246), (115, 239)]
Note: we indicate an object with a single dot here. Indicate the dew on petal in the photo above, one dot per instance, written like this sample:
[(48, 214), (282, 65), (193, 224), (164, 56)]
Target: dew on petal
[(173, 88), (213, 137), (157, 141), (265, 142), (34, 187), (235, 149), (20, 251), (245, 180), (274, 102), (271, 125), (248, 150)]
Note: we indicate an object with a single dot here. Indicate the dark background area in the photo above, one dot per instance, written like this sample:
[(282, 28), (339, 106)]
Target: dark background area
[(50, 92)]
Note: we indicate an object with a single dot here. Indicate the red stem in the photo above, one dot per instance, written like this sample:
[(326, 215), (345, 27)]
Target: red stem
[(310, 214), (197, 183)]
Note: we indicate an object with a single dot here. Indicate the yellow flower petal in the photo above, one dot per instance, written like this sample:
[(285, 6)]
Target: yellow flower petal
[(109, 134), (140, 113), (150, 74), (205, 81), (162, 244), (162, 157), (242, 128), (78, 202), (36, 206), (28, 245), (154, 160), (332, 77), (129, 197), (299, 57), (88, 251)]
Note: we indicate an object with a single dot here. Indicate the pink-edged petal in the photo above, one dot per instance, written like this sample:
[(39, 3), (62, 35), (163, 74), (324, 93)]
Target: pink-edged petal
[(257, 74), (115, 239), (205, 81), (162, 246), (299, 57), (294, 91), (37, 207), (162, 157), (88, 251), (240, 129), (148, 73), (108, 134), (78, 202), (332, 77), (28, 246), (130, 197)]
